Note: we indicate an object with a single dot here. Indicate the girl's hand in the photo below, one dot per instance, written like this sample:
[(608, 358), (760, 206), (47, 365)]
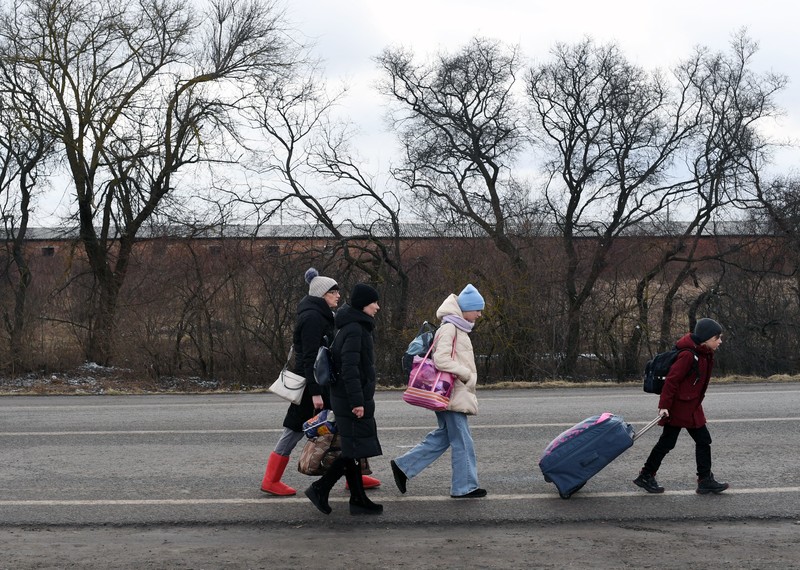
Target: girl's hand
[(358, 411), (318, 403)]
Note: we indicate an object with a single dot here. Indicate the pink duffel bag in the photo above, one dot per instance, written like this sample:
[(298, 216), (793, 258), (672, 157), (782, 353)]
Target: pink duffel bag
[(429, 387)]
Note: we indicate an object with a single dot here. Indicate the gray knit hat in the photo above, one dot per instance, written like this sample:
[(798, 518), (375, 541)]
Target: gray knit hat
[(317, 284), (706, 329)]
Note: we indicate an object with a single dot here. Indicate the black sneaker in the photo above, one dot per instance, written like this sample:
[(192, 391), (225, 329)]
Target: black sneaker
[(648, 483), (400, 478), (710, 485), (476, 494)]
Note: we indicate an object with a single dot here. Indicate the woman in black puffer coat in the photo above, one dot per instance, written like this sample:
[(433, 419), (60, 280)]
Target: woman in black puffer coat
[(314, 322), (352, 401)]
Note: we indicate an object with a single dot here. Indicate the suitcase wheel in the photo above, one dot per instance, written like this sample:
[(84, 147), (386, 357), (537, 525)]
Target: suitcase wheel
[(571, 491)]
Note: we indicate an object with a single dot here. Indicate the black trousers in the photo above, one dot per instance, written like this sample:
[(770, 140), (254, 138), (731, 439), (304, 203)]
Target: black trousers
[(667, 441), (351, 469)]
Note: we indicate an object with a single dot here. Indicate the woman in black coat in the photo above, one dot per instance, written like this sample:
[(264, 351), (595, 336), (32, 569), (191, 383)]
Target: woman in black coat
[(314, 322), (352, 401)]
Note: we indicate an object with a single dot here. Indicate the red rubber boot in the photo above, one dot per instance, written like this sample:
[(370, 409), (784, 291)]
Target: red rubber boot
[(272, 478)]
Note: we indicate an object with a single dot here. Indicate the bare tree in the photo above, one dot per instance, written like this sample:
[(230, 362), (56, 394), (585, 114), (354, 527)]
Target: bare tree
[(133, 92), (25, 148), (618, 137), (376, 247), (316, 177), (460, 129), (780, 199), (733, 100)]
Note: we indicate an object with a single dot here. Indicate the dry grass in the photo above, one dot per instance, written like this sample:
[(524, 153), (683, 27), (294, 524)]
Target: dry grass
[(90, 379), (98, 380), (777, 378)]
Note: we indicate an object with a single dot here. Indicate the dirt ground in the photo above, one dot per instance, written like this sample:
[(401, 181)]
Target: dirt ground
[(739, 545)]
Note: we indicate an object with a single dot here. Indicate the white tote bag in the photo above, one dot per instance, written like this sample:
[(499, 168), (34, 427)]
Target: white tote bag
[(289, 385)]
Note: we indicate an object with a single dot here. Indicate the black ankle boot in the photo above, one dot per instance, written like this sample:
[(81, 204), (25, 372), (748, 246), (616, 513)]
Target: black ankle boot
[(318, 495), (360, 504), (647, 481), (708, 484), (319, 490), (364, 506)]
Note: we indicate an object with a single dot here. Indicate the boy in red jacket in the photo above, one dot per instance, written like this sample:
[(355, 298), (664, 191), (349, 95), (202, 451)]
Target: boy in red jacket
[(681, 406)]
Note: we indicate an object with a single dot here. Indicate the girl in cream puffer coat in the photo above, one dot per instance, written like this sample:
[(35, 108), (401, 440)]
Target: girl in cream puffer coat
[(452, 353), (461, 364)]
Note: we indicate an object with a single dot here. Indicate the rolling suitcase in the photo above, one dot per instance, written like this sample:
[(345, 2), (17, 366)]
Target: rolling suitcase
[(583, 450)]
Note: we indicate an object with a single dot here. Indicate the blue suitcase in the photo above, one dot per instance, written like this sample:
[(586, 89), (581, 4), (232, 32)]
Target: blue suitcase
[(583, 450)]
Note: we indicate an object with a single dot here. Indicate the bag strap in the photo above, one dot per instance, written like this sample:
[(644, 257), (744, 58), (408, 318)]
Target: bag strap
[(695, 362), (328, 343), (330, 351), (416, 372), (433, 344), (288, 358), (430, 348), (455, 336)]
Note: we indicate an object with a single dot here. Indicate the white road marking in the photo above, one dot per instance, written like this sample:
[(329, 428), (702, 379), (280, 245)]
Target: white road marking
[(302, 500), (380, 428), (270, 400)]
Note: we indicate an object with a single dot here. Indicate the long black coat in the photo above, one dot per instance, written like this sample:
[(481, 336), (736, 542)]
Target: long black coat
[(354, 359), (314, 321)]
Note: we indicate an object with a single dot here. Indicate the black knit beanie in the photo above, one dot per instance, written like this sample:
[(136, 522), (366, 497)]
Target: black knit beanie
[(706, 329), (362, 296)]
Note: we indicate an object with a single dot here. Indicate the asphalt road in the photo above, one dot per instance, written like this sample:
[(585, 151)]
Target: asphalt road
[(184, 471)]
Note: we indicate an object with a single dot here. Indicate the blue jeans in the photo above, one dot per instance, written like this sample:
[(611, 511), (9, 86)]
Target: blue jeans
[(453, 431)]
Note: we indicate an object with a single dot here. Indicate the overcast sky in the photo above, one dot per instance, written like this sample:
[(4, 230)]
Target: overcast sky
[(350, 33)]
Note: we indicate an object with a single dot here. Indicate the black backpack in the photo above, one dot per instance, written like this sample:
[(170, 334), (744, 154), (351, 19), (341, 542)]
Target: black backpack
[(419, 346), (657, 368), (324, 368)]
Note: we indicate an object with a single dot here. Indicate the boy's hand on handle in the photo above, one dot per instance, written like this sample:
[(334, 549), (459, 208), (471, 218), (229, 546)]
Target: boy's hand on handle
[(318, 403), (664, 413)]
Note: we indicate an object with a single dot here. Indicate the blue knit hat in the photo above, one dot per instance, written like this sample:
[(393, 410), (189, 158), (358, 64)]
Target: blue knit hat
[(470, 300)]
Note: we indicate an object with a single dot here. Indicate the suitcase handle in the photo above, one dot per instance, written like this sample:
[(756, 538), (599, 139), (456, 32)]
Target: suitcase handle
[(641, 432)]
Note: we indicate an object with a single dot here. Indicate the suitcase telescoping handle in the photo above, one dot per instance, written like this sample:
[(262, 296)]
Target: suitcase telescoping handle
[(641, 432)]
